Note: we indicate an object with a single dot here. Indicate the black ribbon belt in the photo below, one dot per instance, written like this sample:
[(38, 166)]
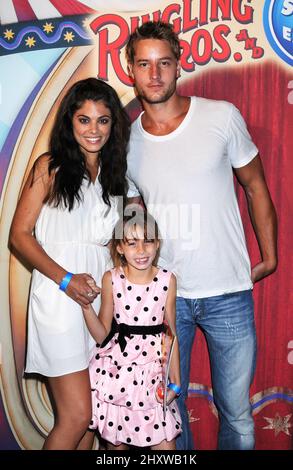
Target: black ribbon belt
[(124, 330)]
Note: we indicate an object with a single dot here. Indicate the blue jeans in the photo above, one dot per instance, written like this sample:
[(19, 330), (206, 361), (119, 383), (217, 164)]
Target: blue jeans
[(228, 325)]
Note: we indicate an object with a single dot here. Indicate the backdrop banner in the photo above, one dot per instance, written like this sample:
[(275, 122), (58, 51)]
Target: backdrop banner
[(235, 50)]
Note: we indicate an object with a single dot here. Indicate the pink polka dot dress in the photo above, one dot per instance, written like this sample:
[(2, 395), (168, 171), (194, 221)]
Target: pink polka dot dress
[(125, 374)]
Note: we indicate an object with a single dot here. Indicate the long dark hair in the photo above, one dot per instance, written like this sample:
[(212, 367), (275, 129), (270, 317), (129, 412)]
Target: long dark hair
[(68, 160)]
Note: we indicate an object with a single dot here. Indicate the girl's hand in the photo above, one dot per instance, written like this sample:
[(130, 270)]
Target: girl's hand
[(170, 396), (160, 392), (80, 291)]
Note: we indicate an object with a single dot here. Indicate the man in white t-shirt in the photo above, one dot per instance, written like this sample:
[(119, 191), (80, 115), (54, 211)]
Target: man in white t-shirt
[(181, 160)]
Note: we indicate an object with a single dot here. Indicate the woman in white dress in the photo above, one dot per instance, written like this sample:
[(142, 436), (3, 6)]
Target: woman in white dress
[(62, 225)]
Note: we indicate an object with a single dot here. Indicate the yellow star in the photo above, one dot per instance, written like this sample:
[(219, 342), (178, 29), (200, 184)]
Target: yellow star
[(30, 42), (279, 424), (48, 27), (8, 34), (69, 36)]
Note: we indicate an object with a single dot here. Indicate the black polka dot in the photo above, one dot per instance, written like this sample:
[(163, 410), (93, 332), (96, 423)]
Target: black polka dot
[(177, 426), (98, 356), (153, 381), (128, 403), (137, 347), (110, 423), (144, 353), (163, 308), (102, 417), (110, 397), (136, 429), (98, 370), (147, 418), (98, 405), (117, 376), (163, 423), (119, 428), (154, 318), (122, 390), (103, 372), (118, 367), (141, 383), (156, 299), (156, 426), (158, 353), (116, 363), (138, 298), (144, 336), (119, 295), (122, 276), (155, 279), (148, 439), (129, 369), (147, 289), (165, 288), (140, 403), (173, 410), (134, 382), (110, 374), (126, 418), (129, 288), (125, 354), (165, 271), (146, 309), (135, 319), (127, 307), (153, 343), (128, 440), (117, 315)]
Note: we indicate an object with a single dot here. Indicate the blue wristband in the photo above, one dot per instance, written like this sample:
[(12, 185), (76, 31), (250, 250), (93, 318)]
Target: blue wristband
[(175, 388), (65, 281)]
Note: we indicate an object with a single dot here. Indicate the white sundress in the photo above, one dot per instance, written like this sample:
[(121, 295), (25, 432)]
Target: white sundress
[(58, 339)]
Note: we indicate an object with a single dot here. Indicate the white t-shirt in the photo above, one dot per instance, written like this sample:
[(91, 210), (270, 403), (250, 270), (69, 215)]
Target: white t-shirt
[(186, 180)]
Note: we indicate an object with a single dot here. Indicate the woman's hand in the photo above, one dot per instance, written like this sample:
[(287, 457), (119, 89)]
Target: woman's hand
[(82, 289)]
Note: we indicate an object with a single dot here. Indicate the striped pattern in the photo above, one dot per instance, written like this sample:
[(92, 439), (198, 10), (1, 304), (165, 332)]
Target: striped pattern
[(12, 11)]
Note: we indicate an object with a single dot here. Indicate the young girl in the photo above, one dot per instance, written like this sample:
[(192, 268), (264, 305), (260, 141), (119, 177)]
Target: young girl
[(126, 372)]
